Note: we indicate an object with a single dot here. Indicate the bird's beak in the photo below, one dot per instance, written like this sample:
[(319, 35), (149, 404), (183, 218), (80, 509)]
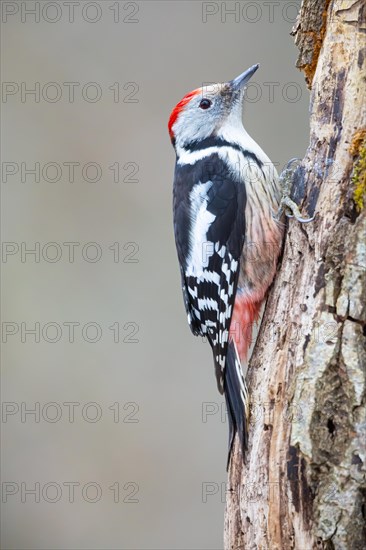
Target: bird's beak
[(240, 81)]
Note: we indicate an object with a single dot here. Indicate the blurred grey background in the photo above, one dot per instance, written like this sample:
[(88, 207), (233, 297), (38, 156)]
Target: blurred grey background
[(126, 447)]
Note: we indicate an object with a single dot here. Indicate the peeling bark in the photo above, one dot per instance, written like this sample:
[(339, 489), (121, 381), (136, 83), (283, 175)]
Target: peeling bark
[(303, 484)]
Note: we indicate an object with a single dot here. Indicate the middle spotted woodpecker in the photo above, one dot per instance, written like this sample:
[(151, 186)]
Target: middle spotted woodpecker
[(228, 241)]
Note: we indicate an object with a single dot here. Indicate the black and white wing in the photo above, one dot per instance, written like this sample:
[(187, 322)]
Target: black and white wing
[(209, 224)]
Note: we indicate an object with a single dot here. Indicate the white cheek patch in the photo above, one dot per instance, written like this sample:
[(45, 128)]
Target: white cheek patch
[(195, 124)]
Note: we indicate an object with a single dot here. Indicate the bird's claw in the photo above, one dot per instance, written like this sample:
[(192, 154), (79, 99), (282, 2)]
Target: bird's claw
[(287, 205), (292, 210), (305, 220)]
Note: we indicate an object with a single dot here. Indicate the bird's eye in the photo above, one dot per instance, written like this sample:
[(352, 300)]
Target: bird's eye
[(205, 104)]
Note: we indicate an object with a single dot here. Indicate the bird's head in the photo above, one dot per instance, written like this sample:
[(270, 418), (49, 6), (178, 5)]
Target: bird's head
[(209, 111)]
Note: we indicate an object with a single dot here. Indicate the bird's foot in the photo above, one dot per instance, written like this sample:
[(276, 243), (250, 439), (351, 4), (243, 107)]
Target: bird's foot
[(287, 205), (290, 208)]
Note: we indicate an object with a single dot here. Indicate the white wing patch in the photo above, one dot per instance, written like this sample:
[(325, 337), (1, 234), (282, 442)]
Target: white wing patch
[(200, 249), (193, 291), (210, 277), (207, 303)]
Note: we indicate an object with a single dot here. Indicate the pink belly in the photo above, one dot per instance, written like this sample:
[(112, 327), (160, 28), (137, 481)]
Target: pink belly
[(245, 314)]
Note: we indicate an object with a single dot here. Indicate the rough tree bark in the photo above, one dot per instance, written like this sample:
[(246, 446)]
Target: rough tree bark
[(303, 483)]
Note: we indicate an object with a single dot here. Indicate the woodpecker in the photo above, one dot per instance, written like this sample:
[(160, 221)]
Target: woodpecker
[(228, 241)]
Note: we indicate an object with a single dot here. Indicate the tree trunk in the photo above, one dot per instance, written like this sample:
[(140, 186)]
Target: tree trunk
[(303, 482)]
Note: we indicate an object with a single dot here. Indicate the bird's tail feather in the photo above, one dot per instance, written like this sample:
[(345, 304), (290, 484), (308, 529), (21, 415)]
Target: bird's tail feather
[(237, 400)]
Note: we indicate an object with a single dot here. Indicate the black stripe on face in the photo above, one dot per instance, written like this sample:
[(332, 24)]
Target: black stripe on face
[(214, 141)]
